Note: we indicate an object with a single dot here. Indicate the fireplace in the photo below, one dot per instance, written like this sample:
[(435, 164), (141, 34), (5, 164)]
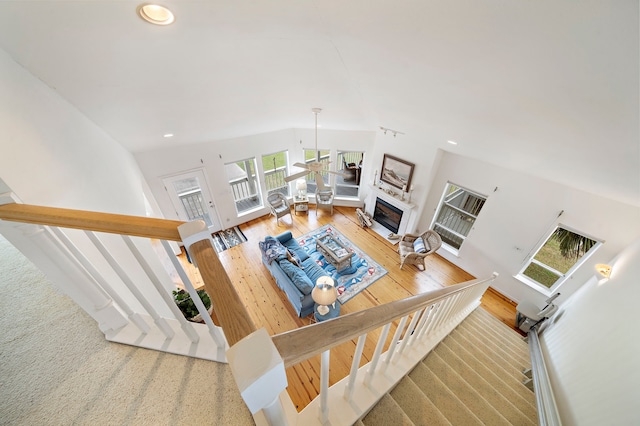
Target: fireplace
[(387, 215)]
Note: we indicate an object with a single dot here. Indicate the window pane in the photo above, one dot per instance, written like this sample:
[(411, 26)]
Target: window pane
[(563, 251), (350, 165), (275, 170), (541, 275), (456, 215), (244, 185)]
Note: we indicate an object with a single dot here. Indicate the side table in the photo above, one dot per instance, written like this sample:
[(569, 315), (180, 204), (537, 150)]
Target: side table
[(300, 204), (334, 311)]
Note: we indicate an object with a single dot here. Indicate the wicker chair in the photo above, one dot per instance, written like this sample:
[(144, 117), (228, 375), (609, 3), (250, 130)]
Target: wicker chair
[(407, 248), (279, 205), (324, 200)]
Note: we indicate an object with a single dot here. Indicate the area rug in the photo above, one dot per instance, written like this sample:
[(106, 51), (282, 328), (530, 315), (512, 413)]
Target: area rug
[(223, 240), (363, 272)]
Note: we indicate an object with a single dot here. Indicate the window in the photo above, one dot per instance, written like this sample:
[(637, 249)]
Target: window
[(244, 185), (311, 155), (275, 170), (350, 165), (561, 254), (456, 214)]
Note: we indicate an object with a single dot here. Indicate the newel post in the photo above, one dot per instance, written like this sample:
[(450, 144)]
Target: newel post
[(260, 375), (255, 362)]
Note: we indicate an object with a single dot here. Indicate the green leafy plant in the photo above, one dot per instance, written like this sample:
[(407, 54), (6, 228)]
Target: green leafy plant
[(187, 305)]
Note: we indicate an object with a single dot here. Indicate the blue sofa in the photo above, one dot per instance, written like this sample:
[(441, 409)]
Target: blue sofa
[(296, 281)]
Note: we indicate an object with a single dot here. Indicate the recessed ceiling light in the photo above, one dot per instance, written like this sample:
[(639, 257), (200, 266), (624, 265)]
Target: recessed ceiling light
[(452, 142), (155, 14), (168, 135)]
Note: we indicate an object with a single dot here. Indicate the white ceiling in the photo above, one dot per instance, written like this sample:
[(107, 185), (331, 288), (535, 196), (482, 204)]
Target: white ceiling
[(550, 87)]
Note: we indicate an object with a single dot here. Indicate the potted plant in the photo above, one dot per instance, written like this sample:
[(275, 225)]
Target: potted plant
[(187, 305)]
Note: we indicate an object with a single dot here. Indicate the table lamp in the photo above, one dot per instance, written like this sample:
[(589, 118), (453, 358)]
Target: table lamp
[(301, 186), (324, 294)]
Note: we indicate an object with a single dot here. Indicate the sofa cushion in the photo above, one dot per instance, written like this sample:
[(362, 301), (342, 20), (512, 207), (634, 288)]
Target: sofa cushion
[(294, 247), (297, 276), (313, 270)]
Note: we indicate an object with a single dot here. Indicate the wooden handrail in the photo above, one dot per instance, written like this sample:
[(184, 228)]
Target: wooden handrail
[(297, 345), (231, 312), (138, 226)]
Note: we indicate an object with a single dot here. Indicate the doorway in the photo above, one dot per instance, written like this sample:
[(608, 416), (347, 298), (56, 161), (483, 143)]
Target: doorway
[(191, 198)]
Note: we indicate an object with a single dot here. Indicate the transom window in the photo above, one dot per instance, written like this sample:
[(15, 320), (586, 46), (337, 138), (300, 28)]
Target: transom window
[(560, 255), (457, 212)]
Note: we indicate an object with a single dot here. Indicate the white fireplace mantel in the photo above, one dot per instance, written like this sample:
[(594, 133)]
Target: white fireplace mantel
[(409, 211)]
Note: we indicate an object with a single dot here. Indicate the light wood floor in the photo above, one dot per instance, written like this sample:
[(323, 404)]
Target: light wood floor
[(268, 307)]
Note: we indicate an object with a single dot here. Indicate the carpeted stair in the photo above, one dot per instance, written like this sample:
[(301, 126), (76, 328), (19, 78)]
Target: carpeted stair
[(472, 377)]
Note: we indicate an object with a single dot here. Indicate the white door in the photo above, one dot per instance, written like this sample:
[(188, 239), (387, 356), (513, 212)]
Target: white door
[(191, 198)]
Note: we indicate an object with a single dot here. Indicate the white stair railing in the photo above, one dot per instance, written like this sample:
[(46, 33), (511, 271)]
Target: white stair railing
[(136, 309)]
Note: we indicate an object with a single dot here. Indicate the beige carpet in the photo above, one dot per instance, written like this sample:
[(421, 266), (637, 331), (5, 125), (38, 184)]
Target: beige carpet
[(56, 368), (473, 377)]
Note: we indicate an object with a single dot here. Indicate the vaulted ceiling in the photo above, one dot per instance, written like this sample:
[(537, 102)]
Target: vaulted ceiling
[(549, 87)]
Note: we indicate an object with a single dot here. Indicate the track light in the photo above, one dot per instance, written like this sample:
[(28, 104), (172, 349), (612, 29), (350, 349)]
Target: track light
[(394, 132)]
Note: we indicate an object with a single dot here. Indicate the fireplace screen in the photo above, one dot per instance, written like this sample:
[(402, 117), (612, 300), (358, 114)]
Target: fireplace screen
[(387, 215)]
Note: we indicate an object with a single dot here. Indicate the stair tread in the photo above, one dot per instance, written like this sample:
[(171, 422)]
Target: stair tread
[(492, 394), (497, 353), (469, 396), (386, 412), (501, 330), (518, 394), (517, 352), (417, 405), (447, 402)]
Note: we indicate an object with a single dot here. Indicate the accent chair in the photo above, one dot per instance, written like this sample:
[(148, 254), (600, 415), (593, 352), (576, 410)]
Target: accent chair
[(279, 205), (324, 200), (414, 249)]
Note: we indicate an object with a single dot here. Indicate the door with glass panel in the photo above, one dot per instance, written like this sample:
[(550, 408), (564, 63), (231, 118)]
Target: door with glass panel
[(191, 198)]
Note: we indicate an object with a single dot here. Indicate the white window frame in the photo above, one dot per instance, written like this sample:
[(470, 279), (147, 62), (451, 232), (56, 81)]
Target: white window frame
[(562, 278), (441, 205)]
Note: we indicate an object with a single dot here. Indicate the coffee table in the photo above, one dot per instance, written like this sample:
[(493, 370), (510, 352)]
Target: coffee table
[(334, 252)]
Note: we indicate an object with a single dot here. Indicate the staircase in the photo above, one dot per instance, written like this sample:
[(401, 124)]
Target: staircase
[(472, 377)]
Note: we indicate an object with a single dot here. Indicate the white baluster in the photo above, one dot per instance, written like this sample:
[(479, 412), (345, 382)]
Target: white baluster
[(214, 331), (348, 390), (158, 320), (324, 386), (411, 330), (394, 342), (376, 355), (186, 326)]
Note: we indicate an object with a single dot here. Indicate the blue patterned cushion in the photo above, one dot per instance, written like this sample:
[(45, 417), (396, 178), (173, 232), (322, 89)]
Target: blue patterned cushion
[(418, 246)]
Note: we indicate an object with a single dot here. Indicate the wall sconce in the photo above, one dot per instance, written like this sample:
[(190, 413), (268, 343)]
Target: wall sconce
[(604, 270), (324, 294)]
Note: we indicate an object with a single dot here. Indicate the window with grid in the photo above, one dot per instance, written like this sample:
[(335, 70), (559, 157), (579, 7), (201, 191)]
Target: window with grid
[(560, 255), (457, 212)]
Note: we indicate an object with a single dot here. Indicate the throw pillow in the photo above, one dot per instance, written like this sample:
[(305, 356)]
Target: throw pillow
[(418, 246), (294, 258)]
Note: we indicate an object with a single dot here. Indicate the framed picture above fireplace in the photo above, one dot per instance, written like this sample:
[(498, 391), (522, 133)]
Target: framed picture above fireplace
[(396, 172)]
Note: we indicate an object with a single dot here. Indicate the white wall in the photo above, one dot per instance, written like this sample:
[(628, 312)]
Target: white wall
[(518, 214), (212, 156), (592, 348), (52, 155)]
